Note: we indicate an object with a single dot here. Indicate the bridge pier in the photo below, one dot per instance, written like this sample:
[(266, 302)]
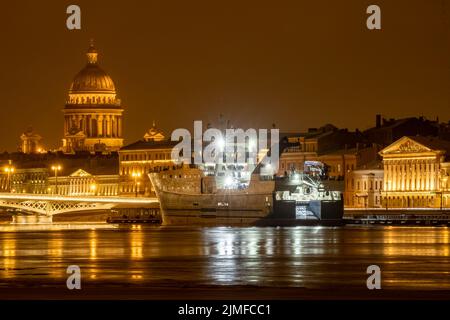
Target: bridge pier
[(32, 219)]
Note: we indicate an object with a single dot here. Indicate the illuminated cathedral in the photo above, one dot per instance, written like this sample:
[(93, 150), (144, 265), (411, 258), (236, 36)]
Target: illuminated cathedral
[(93, 113)]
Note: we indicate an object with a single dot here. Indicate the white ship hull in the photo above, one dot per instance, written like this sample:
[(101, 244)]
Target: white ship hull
[(188, 198), (213, 209), (191, 199)]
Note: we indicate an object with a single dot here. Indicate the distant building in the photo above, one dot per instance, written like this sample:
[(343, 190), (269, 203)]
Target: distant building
[(32, 180), (444, 131), (343, 161), (416, 171), (83, 183), (93, 113), (137, 160), (364, 186), (340, 150), (78, 174), (386, 131), (30, 142)]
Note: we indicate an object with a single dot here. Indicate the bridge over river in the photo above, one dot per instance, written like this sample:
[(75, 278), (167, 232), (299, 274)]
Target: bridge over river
[(46, 206)]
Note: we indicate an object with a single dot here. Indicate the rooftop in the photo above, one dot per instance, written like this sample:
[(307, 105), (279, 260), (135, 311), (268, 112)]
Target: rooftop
[(150, 144)]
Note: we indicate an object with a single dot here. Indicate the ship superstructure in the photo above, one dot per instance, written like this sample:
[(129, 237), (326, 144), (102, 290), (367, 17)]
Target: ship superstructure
[(236, 183)]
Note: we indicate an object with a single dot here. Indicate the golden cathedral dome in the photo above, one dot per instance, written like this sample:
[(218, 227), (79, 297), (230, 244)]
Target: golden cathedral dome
[(92, 112), (92, 79)]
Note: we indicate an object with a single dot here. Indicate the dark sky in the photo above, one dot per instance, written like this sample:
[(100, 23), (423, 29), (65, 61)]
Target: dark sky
[(297, 63)]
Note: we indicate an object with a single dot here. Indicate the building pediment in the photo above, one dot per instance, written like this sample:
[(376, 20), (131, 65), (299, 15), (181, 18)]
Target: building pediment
[(80, 173), (405, 145), (156, 136)]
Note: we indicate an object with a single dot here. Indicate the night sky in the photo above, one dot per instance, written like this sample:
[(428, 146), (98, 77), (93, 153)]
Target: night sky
[(296, 63)]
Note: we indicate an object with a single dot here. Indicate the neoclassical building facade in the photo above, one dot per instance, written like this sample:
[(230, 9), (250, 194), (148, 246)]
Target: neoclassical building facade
[(416, 173), (42, 181), (137, 160), (83, 183), (93, 113), (364, 187)]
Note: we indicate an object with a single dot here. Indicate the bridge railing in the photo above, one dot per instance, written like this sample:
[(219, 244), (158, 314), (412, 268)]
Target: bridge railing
[(104, 199)]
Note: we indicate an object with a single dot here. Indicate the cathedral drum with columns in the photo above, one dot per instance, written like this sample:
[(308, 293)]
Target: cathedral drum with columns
[(93, 113)]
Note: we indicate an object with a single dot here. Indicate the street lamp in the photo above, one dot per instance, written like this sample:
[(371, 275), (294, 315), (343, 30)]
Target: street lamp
[(9, 170), (56, 168), (136, 176)]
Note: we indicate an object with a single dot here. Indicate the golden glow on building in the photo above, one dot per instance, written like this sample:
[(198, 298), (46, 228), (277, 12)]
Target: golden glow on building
[(152, 153), (93, 113), (415, 174), (31, 142), (82, 183), (364, 187)]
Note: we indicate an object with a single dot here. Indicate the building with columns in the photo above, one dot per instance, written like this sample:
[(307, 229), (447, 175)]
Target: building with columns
[(83, 183), (30, 142), (77, 174), (416, 171), (137, 160), (42, 181), (93, 113)]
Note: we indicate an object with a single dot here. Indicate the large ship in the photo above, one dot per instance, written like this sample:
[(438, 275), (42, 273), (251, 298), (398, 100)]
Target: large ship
[(204, 196)]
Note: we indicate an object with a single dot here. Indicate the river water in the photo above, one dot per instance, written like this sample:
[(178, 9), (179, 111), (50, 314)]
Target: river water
[(410, 258)]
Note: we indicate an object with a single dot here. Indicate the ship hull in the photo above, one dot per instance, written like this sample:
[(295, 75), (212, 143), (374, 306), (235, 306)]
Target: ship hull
[(242, 210), (214, 209), (256, 205)]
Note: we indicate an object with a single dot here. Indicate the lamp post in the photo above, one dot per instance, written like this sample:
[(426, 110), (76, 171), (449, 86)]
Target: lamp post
[(56, 168), (9, 170), (136, 176)]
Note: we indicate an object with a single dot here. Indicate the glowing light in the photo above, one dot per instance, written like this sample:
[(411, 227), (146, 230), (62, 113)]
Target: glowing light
[(103, 199), (9, 169)]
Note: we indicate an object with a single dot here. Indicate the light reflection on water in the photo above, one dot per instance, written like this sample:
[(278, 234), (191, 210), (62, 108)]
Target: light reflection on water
[(295, 256), (8, 254)]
